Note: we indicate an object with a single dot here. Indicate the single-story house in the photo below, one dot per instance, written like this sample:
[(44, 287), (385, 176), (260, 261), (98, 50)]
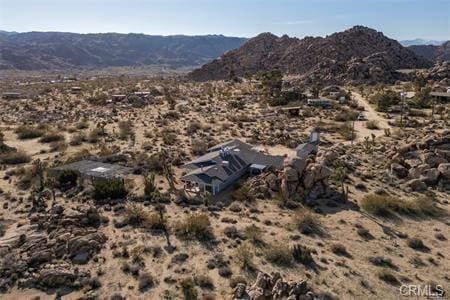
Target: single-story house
[(90, 171), (441, 96), (323, 102), (12, 95), (75, 90), (226, 163)]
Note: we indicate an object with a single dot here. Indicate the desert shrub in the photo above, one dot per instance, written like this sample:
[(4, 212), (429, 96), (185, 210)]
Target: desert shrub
[(109, 188), (364, 233), (346, 115), (58, 146), (199, 147), (307, 222), (51, 136), (346, 131), (372, 124), (169, 138), (302, 254), (193, 127), (146, 281), (67, 177), (244, 256), (98, 99), (172, 114), (382, 262), (149, 185), (94, 135), (415, 243), (242, 194), (3, 228), (339, 249), (28, 132), (136, 214), (417, 113), (83, 125), (155, 163), (204, 281), (253, 233), (188, 288), (385, 205), (388, 277), (385, 99), (125, 129), (77, 139), (279, 254), (15, 158), (194, 226), (277, 101)]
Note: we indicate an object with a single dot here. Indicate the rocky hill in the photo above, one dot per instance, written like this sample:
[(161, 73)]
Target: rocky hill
[(359, 54), (432, 52), (57, 50)]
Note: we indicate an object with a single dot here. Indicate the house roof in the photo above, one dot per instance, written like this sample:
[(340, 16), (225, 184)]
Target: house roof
[(218, 165), (440, 94), (95, 169)]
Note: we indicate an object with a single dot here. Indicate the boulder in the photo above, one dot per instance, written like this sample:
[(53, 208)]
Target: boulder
[(444, 170), (399, 170), (290, 174), (416, 185), (430, 176), (433, 159)]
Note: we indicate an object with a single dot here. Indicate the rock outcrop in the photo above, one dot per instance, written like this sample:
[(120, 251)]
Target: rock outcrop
[(273, 287), (357, 55), (41, 254), (423, 163)]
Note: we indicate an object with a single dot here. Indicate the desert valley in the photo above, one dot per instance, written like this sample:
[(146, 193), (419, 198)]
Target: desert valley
[(262, 168)]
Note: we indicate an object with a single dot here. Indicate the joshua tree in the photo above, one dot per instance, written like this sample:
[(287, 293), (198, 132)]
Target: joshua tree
[(340, 173), (149, 185), (167, 169), (387, 132)]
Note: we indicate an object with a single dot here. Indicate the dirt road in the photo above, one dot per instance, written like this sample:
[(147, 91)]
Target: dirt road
[(370, 114)]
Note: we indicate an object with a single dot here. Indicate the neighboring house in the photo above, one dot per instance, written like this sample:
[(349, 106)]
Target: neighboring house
[(90, 171), (75, 90), (12, 95), (440, 96), (323, 102), (224, 164), (311, 147)]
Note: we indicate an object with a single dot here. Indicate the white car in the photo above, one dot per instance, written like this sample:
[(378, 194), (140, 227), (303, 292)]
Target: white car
[(361, 117)]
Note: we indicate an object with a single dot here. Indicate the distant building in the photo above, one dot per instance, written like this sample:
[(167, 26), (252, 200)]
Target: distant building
[(311, 147), (12, 95), (75, 90), (89, 171), (441, 96), (118, 97), (323, 102), (224, 164)]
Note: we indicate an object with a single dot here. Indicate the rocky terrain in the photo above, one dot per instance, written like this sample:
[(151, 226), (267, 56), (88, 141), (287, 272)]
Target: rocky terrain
[(357, 55), (62, 51), (433, 52), (366, 214)]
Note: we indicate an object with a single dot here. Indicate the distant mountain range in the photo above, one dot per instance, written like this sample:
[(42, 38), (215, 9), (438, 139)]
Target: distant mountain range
[(416, 42), (58, 50), (433, 53), (356, 55)]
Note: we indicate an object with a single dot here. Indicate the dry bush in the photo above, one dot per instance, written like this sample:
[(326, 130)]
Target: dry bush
[(28, 132), (244, 256), (339, 249), (94, 135), (14, 158), (385, 206), (346, 131), (254, 234), (388, 277), (77, 139), (199, 147), (188, 288), (125, 129), (279, 254), (372, 124), (194, 226), (136, 214), (58, 146), (416, 244), (51, 136), (204, 281), (146, 281), (307, 221), (193, 127), (302, 254), (243, 194)]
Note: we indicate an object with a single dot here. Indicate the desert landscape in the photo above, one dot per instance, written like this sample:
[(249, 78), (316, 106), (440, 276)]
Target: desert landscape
[(315, 168)]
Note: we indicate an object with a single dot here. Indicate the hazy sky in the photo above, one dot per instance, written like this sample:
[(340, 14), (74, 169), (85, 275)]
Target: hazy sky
[(400, 19)]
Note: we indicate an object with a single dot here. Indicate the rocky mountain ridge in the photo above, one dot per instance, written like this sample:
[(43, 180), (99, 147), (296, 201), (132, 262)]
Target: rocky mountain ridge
[(359, 54)]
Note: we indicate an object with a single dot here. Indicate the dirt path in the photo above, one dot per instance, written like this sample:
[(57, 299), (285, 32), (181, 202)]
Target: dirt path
[(370, 114)]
